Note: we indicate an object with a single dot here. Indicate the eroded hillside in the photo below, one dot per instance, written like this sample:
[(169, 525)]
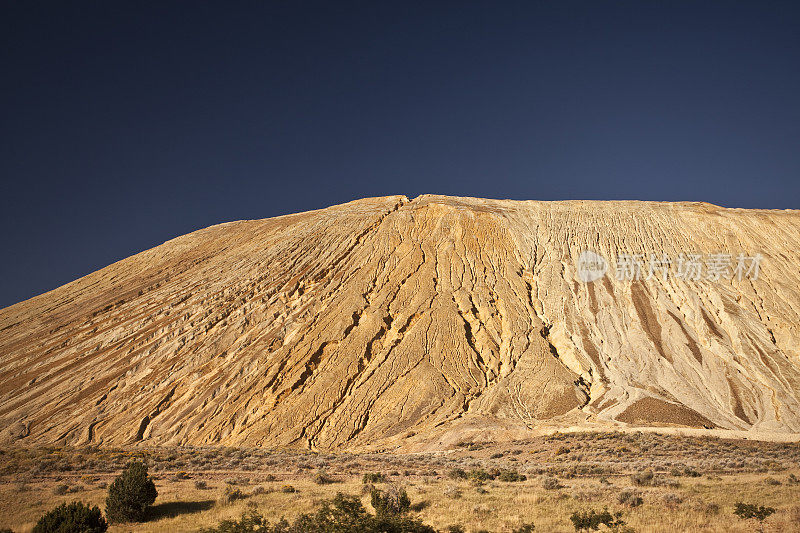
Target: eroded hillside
[(389, 321)]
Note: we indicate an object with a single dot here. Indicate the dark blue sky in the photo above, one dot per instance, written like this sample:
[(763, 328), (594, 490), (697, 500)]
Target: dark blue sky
[(125, 124)]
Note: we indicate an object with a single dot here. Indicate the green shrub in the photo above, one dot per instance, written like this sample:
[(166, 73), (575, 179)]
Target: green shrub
[(457, 473), (341, 514), (230, 495), (322, 478), (593, 520), (250, 522), (74, 517), (747, 511), (478, 475), (511, 476), (394, 501), (373, 477), (130, 495)]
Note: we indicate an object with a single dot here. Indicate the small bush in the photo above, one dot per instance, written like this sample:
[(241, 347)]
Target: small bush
[(200, 484), (593, 520), (685, 471), (230, 495), (478, 475), (643, 478), (394, 501), (672, 500), (511, 476), (288, 489), (341, 514), (60, 490), (747, 511), (630, 498), (75, 516), (322, 478), (457, 473), (524, 528), (373, 477), (551, 483), (130, 495)]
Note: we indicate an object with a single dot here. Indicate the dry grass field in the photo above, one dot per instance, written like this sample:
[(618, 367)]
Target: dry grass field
[(660, 483)]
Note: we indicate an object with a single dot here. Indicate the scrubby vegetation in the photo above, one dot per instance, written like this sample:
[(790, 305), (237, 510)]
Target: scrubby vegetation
[(751, 511), (341, 514), (373, 477), (630, 498), (322, 478), (551, 483), (682, 483), (74, 517), (394, 501), (479, 475), (592, 520), (230, 494), (643, 478)]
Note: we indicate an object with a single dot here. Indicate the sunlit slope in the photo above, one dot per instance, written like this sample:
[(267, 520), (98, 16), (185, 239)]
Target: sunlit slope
[(386, 320)]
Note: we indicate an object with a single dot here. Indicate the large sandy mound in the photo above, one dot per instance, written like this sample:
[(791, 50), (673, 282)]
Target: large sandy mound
[(389, 321)]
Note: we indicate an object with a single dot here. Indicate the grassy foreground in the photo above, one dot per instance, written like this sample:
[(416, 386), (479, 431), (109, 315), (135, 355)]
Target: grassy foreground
[(660, 483)]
